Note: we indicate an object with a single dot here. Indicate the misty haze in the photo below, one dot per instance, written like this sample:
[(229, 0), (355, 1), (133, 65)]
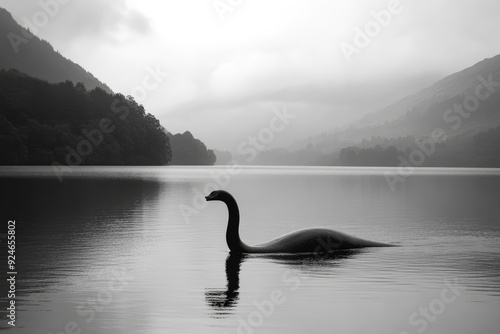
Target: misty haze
[(226, 166)]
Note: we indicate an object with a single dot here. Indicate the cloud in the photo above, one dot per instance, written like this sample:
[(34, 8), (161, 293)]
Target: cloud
[(281, 52), (113, 20)]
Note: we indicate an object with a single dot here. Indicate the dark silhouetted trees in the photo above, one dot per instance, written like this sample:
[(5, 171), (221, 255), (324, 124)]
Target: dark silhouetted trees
[(19, 49), (187, 150), (42, 123), (376, 156)]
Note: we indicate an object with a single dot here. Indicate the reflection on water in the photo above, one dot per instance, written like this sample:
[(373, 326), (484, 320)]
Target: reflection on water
[(123, 227), (223, 301)]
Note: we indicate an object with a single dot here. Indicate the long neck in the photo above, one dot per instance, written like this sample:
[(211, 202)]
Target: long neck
[(232, 234)]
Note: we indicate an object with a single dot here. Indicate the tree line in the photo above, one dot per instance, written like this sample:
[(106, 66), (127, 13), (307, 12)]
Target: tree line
[(42, 123)]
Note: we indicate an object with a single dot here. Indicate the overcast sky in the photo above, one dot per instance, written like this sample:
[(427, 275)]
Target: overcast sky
[(229, 67)]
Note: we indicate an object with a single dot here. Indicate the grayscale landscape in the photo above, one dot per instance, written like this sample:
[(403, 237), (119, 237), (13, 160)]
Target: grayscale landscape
[(231, 166)]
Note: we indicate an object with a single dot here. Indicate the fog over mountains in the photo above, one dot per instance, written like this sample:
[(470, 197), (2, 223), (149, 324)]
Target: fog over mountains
[(462, 110), (464, 106), (428, 108), (29, 54), (52, 112)]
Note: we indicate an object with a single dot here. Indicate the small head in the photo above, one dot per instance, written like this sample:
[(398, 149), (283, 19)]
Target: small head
[(218, 195)]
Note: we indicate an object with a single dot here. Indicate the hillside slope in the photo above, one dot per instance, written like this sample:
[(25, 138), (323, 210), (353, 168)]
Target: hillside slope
[(425, 110), (187, 150), (464, 106), (430, 108), (29, 54), (67, 125)]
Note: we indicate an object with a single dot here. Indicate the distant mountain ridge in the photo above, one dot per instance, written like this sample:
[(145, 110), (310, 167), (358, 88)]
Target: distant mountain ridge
[(464, 105), (433, 98), (37, 58), (420, 113)]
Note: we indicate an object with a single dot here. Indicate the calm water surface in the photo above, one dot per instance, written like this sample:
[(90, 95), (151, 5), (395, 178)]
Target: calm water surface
[(137, 250)]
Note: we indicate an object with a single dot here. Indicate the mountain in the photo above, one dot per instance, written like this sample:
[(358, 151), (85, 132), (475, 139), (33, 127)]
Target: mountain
[(65, 125), (187, 150), (464, 106), (418, 114), (53, 112), (21, 50), (429, 108)]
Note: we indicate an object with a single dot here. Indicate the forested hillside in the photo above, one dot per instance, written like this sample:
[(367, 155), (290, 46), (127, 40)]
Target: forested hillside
[(43, 123), (21, 50), (187, 150)]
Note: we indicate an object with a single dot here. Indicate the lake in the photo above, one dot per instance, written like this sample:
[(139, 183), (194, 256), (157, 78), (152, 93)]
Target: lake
[(138, 250)]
